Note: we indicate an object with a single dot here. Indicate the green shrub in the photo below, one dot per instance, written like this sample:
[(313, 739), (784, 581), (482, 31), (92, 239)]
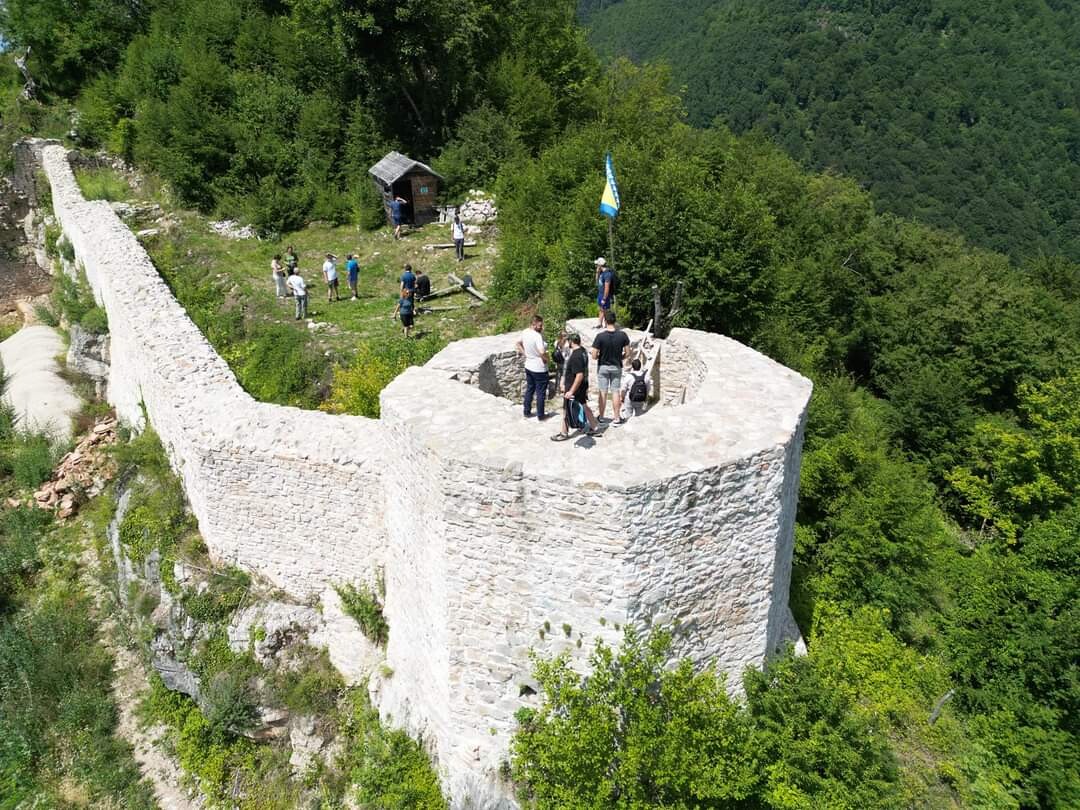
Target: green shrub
[(46, 315), (30, 458), (57, 718), (143, 454), (356, 388), (231, 706), (155, 521), (389, 770), (225, 592), (365, 606), (52, 236), (310, 685), (95, 321), (20, 532), (67, 250), (277, 364), (72, 298)]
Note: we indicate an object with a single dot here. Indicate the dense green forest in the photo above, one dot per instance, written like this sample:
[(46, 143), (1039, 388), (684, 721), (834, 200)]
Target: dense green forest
[(937, 559), (964, 115)]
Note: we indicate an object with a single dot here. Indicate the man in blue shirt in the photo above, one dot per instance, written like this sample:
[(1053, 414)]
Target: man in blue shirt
[(397, 214), (352, 267), (408, 279)]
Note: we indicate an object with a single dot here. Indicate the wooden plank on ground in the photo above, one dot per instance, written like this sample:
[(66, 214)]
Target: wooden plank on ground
[(447, 245), (475, 293), (441, 293), (447, 309)]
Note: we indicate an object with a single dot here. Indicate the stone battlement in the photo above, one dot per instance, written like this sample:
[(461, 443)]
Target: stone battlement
[(493, 540)]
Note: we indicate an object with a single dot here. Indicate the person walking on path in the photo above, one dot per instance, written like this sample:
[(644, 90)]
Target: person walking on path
[(576, 383), (605, 291), (609, 349), (277, 270), (352, 268), (397, 214), (408, 279), (329, 271), (299, 290), (457, 233), (292, 261), (531, 344), (404, 310), (635, 391)]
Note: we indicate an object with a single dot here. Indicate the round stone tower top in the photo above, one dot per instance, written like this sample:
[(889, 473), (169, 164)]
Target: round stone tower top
[(717, 402)]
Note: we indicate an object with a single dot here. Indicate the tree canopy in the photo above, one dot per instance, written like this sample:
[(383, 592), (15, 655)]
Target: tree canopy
[(962, 115)]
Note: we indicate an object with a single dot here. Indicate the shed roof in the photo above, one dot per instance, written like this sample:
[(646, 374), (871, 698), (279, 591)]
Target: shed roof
[(396, 165)]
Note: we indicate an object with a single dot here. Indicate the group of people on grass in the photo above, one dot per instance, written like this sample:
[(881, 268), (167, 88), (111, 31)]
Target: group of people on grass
[(619, 377), (289, 282), (414, 288)]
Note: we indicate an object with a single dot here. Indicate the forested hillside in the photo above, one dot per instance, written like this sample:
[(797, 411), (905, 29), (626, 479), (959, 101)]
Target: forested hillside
[(937, 562), (964, 115)]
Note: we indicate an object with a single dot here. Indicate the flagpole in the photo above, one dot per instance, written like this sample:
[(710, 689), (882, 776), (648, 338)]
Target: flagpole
[(611, 239)]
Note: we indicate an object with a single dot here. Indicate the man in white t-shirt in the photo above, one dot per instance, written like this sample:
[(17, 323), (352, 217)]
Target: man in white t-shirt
[(329, 271), (295, 282), (531, 344)]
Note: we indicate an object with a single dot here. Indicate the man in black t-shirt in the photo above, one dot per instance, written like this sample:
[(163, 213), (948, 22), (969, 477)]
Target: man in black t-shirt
[(609, 349), (576, 385)]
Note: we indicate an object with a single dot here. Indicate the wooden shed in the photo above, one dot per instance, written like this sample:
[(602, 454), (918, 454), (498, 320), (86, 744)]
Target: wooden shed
[(397, 175)]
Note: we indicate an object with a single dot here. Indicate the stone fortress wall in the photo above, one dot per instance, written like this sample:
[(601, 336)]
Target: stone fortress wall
[(493, 540)]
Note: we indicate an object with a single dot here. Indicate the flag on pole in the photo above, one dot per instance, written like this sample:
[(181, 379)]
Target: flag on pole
[(609, 202)]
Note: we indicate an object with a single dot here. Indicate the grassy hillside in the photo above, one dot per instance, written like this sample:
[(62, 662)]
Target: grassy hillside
[(966, 116)]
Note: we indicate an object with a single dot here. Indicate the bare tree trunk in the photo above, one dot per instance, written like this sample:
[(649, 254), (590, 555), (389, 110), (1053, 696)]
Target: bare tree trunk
[(658, 313), (29, 91)]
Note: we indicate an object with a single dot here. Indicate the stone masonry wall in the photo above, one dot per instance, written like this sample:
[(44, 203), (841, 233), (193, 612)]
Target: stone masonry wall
[(290, 494), (494, 542)]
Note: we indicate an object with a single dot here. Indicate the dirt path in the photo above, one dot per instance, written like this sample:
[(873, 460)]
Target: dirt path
[(162, 771), (129, 681)]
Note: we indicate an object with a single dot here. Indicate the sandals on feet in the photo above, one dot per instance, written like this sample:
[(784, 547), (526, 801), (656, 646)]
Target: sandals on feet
[(560, 437)]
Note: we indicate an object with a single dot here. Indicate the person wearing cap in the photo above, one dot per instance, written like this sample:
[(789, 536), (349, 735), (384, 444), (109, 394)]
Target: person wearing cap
[(329, 271), (605, 298), (576, 383)]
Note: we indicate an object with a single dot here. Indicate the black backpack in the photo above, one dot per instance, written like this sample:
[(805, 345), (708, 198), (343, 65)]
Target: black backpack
[(639, 389), (614, 282)]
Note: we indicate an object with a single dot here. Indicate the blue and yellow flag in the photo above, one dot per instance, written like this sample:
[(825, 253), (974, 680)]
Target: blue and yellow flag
[(609, 202)]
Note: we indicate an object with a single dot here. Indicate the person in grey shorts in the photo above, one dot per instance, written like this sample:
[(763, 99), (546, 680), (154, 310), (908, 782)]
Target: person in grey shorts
[(609, 348)]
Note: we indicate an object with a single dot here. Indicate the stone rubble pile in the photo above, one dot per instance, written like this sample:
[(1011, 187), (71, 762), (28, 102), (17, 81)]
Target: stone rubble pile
[(477, 209), (82, 473), (231, 229)]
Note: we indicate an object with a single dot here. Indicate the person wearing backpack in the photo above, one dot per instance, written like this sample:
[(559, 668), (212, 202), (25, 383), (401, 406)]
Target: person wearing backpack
[(636, 388), (605, 289), (576, 414)]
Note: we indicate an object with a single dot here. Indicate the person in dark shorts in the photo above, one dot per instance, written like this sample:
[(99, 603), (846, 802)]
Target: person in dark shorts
[(609, 348), (404, 311), (576, 383)]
